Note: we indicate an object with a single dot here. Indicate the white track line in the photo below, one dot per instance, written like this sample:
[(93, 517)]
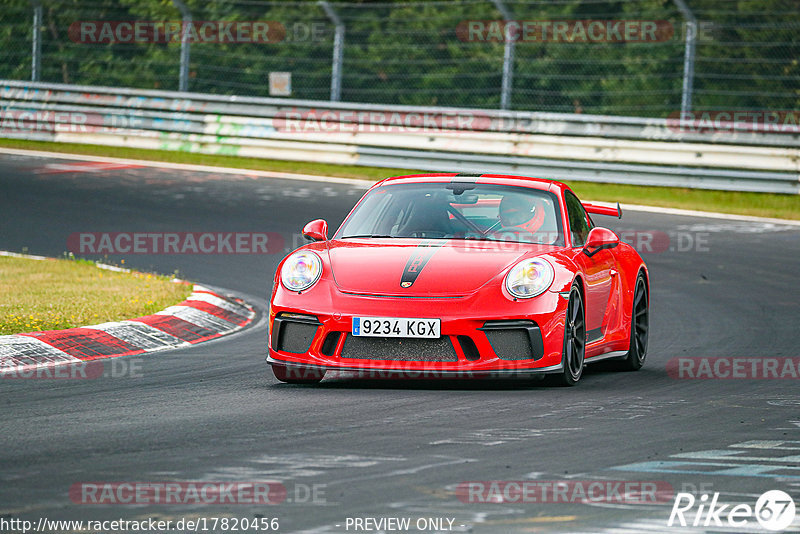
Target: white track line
[(191, 167), (695, 213), (361, 183)]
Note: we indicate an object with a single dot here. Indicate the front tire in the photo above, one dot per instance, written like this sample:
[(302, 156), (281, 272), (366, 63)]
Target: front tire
[(297, 375), (640, 326), (574, 352)]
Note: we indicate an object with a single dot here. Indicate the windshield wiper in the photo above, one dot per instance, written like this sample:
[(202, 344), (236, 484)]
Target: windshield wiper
[(479, 238), (366, 235)]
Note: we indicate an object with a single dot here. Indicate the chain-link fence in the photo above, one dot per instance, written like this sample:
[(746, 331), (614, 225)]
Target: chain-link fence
[(617, 57)]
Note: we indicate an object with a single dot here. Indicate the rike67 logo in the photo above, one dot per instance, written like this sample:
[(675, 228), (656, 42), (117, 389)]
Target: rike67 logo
[(774, 511)]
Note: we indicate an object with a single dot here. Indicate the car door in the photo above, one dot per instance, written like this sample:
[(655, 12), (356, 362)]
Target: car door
[(598, 270)]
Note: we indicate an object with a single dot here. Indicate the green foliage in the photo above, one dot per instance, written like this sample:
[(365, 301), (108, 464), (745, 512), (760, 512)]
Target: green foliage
[(411, 53)]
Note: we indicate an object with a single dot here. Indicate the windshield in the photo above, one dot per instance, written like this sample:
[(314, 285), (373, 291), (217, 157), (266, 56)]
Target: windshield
[(457, 211)]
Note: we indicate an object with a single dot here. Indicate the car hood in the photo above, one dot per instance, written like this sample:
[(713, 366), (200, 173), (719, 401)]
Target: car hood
[(414, 267)]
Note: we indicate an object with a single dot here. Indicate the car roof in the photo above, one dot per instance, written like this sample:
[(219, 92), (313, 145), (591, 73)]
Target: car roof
[(481, 178)]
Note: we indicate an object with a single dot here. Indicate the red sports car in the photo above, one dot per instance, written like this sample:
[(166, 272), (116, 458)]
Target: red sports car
[(463, 275)]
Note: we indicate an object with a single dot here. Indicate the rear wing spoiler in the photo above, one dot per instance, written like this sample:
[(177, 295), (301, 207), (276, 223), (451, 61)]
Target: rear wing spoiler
[(603, 210)]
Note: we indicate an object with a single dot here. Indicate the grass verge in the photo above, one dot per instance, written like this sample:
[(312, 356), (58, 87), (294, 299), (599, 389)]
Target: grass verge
[(742, 203), (64, 293)]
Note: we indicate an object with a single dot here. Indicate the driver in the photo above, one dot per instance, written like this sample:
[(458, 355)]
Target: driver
[(520, 214)]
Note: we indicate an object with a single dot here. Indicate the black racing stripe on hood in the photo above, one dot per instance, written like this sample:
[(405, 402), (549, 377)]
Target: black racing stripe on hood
[(419, 258)]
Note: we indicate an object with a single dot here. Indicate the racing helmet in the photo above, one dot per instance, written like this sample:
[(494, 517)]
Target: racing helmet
[(521, 211)]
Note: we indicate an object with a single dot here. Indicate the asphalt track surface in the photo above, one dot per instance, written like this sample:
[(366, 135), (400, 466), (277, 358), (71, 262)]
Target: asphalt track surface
[(378, 448)]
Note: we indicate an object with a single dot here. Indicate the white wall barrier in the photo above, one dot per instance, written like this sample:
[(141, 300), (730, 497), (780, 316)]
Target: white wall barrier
[(729, 156)]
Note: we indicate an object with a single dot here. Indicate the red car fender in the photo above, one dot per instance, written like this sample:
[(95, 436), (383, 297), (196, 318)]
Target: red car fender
[(565, 270), (630, 265)]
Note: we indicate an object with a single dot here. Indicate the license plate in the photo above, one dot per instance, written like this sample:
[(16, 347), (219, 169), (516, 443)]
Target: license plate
[(396, 327)]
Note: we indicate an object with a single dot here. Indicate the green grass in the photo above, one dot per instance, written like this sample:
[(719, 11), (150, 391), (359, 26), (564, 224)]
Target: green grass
[(759, 204), (55, 294)]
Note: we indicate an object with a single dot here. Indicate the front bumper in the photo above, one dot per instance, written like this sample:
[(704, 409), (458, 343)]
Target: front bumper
[(421, 371), (482, 334)]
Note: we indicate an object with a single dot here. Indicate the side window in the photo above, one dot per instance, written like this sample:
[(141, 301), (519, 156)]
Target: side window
[(578, 220)]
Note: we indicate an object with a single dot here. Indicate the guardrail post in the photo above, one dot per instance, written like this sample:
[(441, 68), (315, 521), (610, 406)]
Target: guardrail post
[(186, 20), (508, 56), (338, 51), (688, 57), (36, 52)]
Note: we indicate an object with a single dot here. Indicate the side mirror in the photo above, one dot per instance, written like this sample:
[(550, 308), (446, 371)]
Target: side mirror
[(316, 230), (599, 239)]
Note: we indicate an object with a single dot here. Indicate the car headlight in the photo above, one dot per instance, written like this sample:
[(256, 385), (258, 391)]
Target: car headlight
[(529, 278), (301, 270)]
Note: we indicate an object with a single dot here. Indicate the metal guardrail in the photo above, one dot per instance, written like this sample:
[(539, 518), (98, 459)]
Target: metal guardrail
[(567, 147)]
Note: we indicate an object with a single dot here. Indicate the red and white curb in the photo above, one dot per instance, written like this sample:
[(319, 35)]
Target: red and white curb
[(204, 315)]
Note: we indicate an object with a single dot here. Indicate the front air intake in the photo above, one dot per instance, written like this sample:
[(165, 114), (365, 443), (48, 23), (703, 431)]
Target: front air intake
[(402, 349), (293, 332), (514, 340)]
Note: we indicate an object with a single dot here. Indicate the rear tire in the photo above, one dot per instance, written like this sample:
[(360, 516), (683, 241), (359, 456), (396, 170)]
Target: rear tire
[(574, 351), (640, 326), (297, 375)]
